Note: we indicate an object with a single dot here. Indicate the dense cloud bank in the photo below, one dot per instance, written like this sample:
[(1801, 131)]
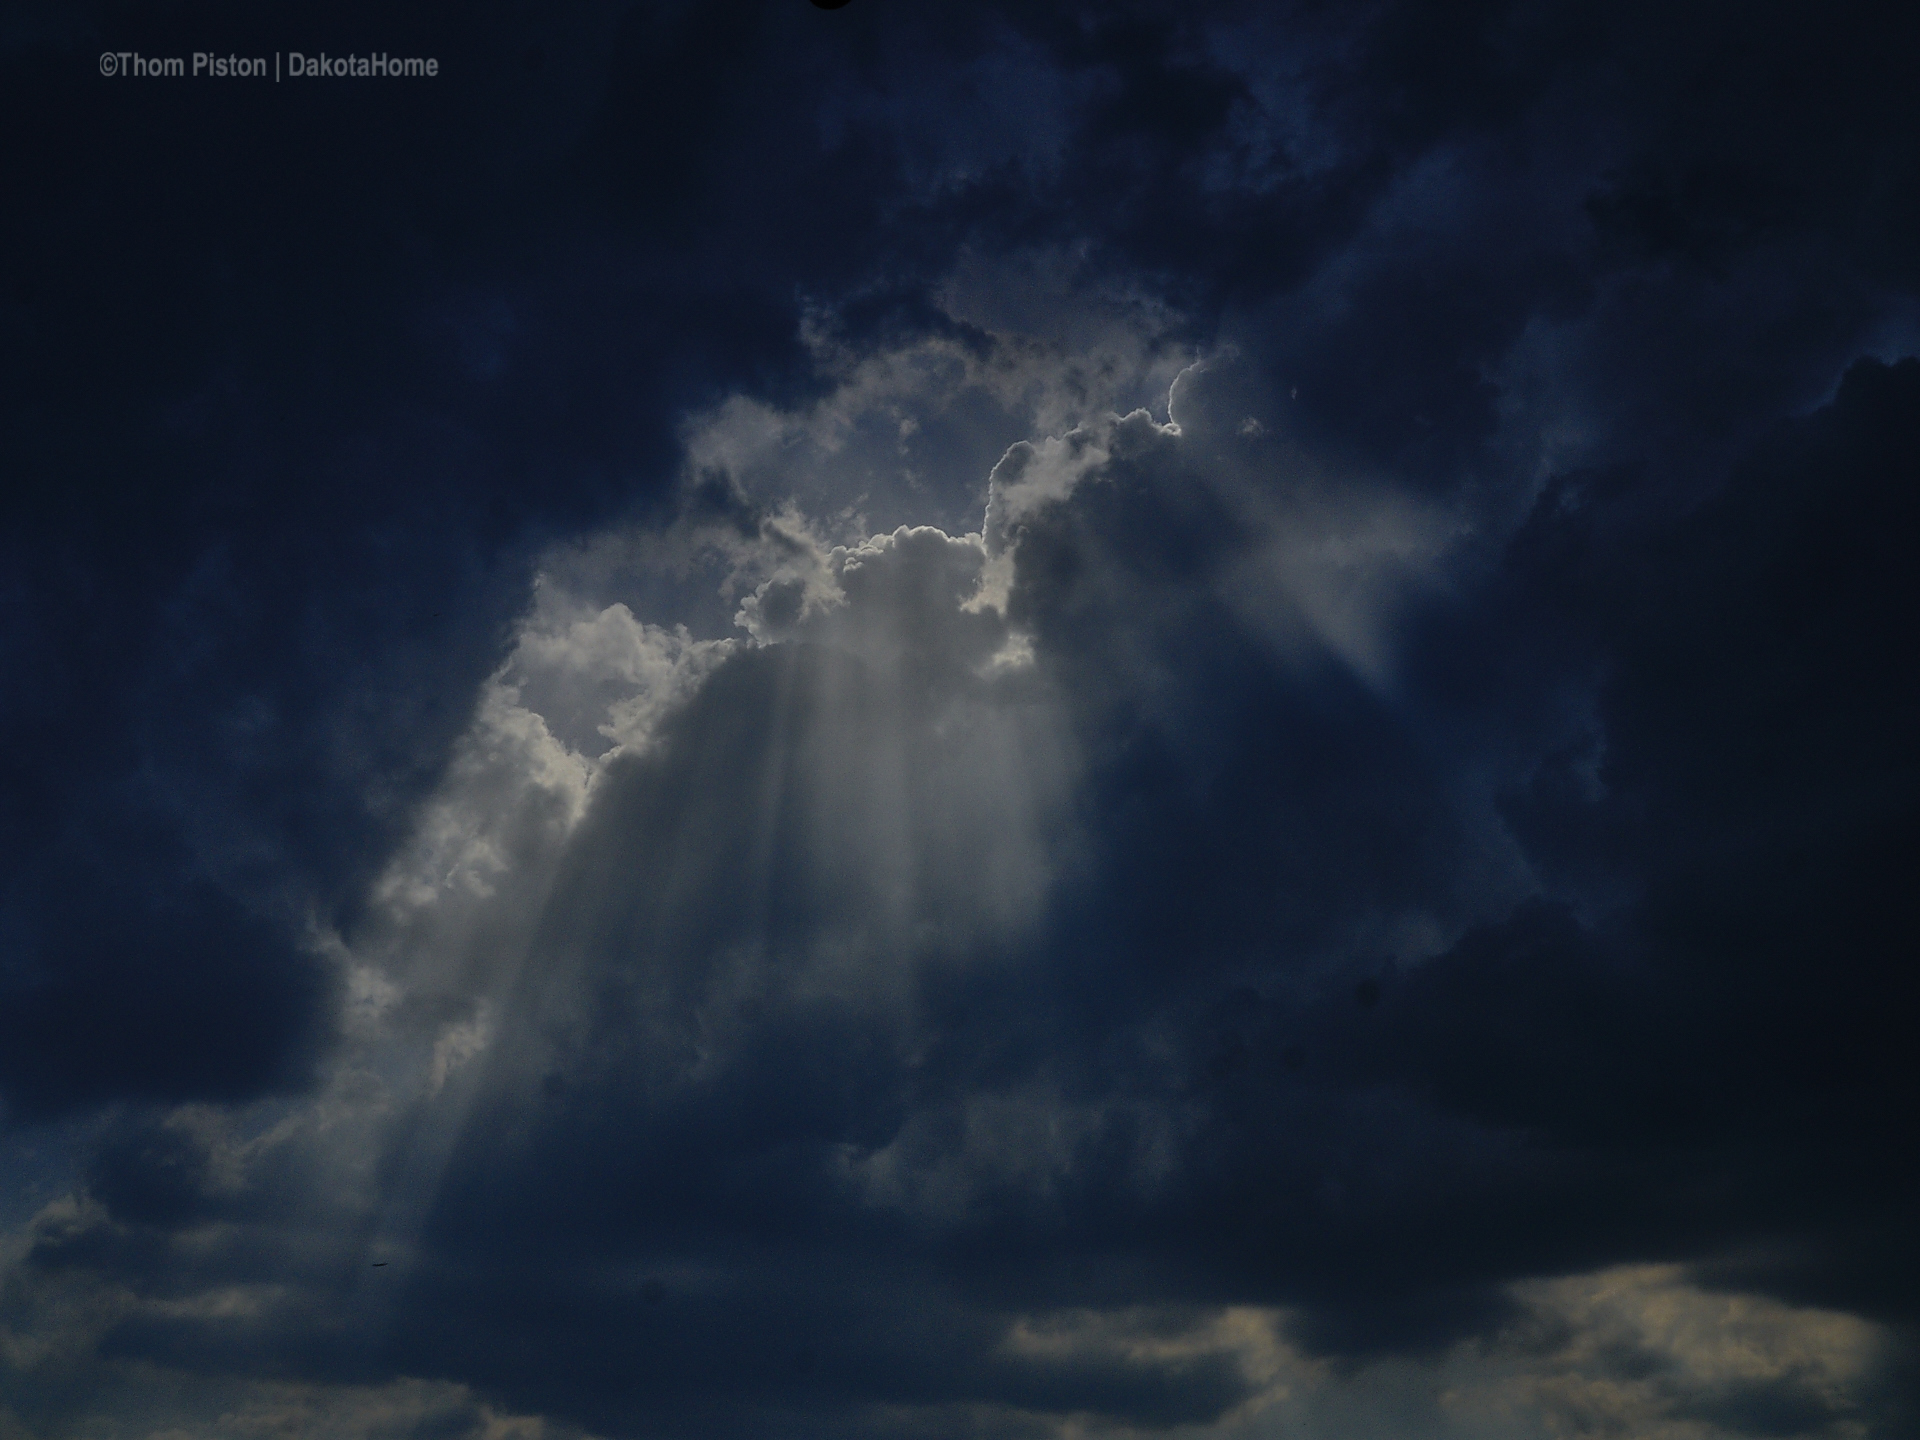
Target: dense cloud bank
[(1000, 722)]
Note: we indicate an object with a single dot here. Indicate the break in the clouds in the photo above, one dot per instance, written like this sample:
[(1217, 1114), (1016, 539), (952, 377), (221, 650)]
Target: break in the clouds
[(1006, 722)]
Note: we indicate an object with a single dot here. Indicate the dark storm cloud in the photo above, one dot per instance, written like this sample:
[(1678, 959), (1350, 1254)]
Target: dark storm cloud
[(1562, 1098), (1434, 813), (1712, 1062), (1756, 792)]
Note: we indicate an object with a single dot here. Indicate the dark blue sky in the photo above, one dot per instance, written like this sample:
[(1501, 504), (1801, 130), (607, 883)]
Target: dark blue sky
[(924, 720)]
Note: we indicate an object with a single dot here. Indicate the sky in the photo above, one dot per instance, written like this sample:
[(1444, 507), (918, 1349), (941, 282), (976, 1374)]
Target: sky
[(1011, 721)]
